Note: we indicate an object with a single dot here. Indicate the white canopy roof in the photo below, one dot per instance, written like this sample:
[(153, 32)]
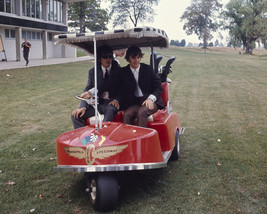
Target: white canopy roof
[(117, 39)]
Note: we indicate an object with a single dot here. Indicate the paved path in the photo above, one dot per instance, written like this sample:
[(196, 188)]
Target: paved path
[(40, 62)]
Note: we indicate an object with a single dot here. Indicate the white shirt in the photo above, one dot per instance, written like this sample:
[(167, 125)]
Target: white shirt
[(138, 92), (105, 94)]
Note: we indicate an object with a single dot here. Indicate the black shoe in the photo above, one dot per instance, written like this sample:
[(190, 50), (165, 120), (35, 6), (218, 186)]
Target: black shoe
[(27, 62)]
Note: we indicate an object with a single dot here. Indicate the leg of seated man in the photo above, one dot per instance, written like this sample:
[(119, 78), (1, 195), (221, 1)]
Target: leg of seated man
[(109, 112), (80, 122), (130, 114), (144, 113)]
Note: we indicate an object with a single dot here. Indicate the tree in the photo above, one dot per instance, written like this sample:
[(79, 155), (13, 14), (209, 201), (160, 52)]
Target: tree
[(87, 14), (183, 43), (134, 11), (200, 19), (216, 43), (246, 22), (210, 44)]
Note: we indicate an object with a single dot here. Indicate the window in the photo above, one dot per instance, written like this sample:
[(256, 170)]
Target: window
[(7, 6), (38, 9), (38, 35), (32, 35), (23, 34), (6, 33), (50, 37), (29, 35), (55, 11), (10, 33), (2, 8), (32, 8)]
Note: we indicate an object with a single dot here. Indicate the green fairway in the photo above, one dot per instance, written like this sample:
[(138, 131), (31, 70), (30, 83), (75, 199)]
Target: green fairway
[(221, 98)]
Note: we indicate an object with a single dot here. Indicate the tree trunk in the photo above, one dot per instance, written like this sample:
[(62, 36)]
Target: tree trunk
[(81, 17), (205, 36)]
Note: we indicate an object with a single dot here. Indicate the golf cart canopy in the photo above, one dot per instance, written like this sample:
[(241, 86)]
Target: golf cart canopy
[(116, 39)]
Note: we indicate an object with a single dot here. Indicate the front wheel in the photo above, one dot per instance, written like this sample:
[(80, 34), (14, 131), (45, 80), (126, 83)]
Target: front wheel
[(176, 150), (103, 191)]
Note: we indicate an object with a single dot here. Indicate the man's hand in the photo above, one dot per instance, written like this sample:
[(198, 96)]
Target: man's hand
[(115, 103), (148, 103), (78, 112), (86, 95)]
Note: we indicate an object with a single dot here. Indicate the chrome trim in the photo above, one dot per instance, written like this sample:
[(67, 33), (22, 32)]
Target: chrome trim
[(114, 167), (182, 131)]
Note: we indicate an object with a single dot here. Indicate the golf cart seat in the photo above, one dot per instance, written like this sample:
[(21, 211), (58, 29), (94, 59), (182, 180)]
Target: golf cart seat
[(157, 116)]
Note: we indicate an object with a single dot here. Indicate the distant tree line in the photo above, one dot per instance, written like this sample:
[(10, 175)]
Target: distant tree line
[(246, 20), (177, 43)]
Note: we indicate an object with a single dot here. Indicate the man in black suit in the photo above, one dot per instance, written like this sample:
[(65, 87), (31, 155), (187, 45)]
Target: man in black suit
[(107, 71), (140, 89)]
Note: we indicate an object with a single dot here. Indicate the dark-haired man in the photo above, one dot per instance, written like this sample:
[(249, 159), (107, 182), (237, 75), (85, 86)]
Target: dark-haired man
[(107, 70), (26, 50), (140, 89)]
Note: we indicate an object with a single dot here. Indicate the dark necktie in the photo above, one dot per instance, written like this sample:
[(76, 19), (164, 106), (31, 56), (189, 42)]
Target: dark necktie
[(106, 75)]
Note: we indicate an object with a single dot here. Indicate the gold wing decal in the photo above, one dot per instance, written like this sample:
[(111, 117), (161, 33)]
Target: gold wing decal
[(107, 151), (76, 152)]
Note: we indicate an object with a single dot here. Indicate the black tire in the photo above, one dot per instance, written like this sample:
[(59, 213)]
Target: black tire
[(103, 191), (176, 150)]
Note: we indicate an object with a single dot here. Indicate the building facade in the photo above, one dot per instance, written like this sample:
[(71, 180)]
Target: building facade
[(38, 21)]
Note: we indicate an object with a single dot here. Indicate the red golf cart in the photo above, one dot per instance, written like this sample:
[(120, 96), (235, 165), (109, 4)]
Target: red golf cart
[(101, 149)]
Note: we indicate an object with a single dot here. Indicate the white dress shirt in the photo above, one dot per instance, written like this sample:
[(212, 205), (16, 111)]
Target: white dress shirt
[(138, 92), (105, 94)]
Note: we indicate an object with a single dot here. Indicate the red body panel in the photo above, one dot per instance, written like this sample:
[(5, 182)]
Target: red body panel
[(116, 143), (166, 127)]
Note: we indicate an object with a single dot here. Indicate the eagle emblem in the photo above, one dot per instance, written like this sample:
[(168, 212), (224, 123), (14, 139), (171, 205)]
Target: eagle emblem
[(91, 153)]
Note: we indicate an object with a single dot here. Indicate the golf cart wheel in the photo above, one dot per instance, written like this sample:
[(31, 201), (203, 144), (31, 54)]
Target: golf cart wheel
[(176, 150), (103, 192)]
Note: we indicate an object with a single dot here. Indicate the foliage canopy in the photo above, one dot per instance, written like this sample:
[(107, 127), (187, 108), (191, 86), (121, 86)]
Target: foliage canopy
[(135, 11), (200, 19), (247, 22), (87, 15)]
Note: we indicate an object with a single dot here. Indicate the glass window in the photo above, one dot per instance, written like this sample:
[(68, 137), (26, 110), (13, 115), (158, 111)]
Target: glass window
[(33, 8), (8, 6), (29, 35), (23, 8), (59, 11), (23, 34), (6, 33), (51, 9), (33, 35), (13, 6), (2, 8), (28, 8), (12, 34), (38, 35), (55, 11), (50, 37), (38, 12)]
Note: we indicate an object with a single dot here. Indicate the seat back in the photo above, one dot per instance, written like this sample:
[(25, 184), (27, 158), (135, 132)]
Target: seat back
[(165, 93)]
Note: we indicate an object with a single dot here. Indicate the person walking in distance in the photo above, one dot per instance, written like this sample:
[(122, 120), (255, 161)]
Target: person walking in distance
[(26, 50)]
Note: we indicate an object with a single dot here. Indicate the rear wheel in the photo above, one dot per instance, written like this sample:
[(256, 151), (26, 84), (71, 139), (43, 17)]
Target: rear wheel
[(103, 191), (176, 150)]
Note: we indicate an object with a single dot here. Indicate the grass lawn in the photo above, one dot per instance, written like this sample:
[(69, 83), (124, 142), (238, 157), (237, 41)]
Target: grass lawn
[(221, 99)]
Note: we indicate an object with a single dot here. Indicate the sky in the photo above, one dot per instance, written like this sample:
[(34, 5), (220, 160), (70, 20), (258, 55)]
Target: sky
[(168, 13)]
